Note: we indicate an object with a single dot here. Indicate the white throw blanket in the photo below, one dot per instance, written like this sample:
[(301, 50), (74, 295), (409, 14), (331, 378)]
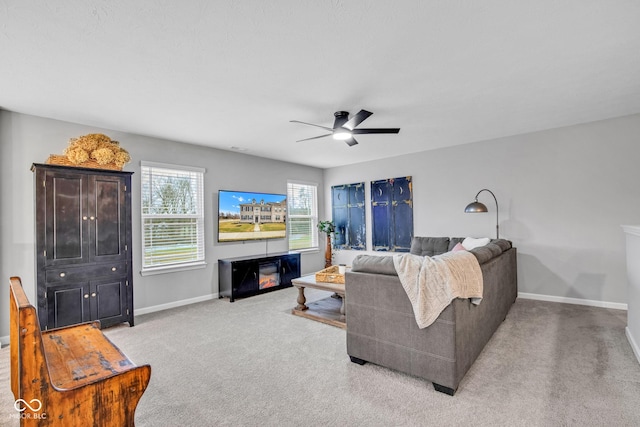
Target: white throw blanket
[(431, 283)]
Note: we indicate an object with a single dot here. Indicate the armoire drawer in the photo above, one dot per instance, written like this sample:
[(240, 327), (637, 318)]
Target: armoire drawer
[(77, 274)]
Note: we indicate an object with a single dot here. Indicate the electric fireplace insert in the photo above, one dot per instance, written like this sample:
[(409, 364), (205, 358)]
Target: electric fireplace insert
[(268, 274)]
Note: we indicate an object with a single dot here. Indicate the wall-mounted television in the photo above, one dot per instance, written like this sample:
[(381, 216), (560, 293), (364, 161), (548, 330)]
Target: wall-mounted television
[(244, 215)]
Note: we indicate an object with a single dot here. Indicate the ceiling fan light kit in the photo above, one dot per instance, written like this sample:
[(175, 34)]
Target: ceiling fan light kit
[(344, 127), (341, 135)]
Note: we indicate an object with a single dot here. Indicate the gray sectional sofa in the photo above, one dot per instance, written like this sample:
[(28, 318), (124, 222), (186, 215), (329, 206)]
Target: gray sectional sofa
[(381, 327)]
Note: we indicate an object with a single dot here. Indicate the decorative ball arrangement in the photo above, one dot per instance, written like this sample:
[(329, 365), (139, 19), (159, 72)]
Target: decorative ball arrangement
[(98, 147), (93, 150)]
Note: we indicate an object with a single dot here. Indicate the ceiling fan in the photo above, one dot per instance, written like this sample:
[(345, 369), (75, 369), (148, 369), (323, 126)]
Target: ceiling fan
[(344, 127)]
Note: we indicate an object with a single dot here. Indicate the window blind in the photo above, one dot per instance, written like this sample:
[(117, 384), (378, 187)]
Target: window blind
[(302, 217), (172, 215)]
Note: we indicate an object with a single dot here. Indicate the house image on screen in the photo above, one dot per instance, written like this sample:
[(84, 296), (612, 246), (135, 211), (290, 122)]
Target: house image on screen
[(262, 212)]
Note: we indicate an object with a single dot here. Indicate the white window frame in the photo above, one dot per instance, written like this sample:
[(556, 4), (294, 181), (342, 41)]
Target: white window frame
[(312, 216), (168, 267)]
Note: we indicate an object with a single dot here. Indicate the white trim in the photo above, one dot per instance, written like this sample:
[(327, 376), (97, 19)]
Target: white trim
[(578, 301), (301, 182), (174, 304), (634, 344), (631, 229), (172, 166), (150, 271), (4, 341), (307, 250)]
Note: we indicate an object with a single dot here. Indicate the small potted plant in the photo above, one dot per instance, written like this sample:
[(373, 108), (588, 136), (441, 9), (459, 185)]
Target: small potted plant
[(327, 227)]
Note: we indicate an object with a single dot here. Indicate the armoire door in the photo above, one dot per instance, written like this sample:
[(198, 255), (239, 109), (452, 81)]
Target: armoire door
[(68, 304), (109, 301), (66, 220), (107, 212)]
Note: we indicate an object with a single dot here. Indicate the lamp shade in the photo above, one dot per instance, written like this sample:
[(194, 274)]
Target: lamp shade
[(476, 207)]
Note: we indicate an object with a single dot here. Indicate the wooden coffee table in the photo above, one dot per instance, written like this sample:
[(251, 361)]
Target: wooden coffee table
[(329, 310)]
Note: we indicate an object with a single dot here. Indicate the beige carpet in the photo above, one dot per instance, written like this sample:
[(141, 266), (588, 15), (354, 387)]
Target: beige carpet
[(252, 363)]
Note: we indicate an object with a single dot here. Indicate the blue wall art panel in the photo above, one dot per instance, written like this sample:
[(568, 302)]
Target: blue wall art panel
[(340, 214), (392, 214), (348, 206), (380, 215)]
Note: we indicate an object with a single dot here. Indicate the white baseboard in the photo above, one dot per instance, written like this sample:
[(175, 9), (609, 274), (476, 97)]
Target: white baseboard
[(174, 304), (4, 341), (578, 301), (634, 344)]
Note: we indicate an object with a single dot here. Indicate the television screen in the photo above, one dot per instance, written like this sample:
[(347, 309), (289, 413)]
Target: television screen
[(251, 216)]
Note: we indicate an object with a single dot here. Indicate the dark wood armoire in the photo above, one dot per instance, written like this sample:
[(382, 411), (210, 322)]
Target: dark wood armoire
[(83, 246)]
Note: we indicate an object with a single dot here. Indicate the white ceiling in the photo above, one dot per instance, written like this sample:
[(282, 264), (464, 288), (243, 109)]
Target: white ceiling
[(232, 73)]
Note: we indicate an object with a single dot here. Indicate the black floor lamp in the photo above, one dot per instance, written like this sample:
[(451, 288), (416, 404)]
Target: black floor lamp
[(476, 207)]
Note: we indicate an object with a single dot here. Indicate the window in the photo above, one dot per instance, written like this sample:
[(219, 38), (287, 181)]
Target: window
[(172, 217), (302, 203)]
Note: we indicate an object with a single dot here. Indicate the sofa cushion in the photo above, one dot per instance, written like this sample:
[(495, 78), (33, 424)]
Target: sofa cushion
[(458, 247), (504, 244), (429, 246), (491, 250), (485, 253), (374, 264), (454, 241), (470, 242)]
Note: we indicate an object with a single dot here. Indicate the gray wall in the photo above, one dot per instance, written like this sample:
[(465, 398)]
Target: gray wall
[(563, 194), (27, 139)]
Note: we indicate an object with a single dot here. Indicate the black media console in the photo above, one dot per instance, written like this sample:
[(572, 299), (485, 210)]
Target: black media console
[(252, 275)]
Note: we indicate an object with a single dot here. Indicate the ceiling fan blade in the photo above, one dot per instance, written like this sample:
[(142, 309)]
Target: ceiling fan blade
[(357, 119), (351, 142), (315, 137), (375, 130), (311, 124)]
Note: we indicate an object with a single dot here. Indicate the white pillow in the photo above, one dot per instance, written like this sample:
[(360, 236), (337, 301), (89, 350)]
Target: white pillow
[(470, 243)]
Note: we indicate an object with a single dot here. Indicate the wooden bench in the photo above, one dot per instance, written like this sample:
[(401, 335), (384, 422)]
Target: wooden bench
[(71, 376)]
